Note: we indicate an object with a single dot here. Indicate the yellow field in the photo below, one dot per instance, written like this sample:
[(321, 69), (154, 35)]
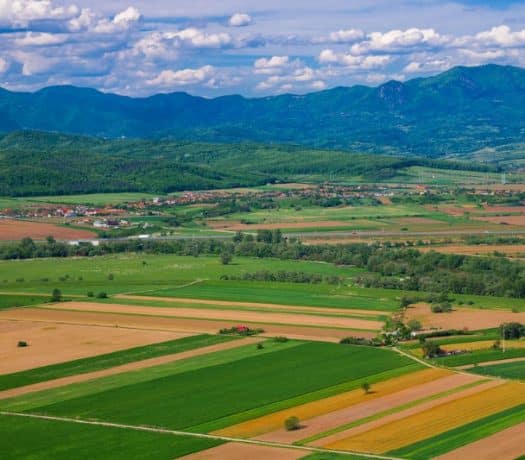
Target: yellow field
[(482, 345), (439, 419), (306, 411)]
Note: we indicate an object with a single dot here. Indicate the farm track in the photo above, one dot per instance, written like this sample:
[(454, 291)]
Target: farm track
[(490, 363), (305, 449), (136, 365)]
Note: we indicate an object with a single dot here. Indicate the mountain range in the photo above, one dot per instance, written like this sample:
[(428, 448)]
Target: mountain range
[(463, 110)]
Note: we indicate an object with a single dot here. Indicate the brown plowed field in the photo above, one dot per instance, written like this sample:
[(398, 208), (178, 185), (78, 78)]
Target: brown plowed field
[(51, 343), (240, 451), (508, 220), (125, 368), (461, 318), (11, 230), (367, 408), (505, 445), (228, 315), (158, 323), (227, 303), (469, 249)]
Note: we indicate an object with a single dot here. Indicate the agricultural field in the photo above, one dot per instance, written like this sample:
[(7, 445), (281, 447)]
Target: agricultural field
[(17, 229)]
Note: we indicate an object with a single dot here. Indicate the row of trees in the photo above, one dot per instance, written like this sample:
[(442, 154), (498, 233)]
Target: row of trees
[(386, 266)]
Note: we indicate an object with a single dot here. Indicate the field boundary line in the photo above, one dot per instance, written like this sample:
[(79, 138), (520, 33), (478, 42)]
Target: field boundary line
[(195, 435), (191, 283)]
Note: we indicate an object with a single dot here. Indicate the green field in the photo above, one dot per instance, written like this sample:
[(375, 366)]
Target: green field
[(25, 438), (14, 300), (515, 370), (94, 199), (480, 356), (215, 393), (453, 439), (96, 363)]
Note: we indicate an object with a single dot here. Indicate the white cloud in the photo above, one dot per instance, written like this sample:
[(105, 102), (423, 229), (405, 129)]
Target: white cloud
[(318, 85), (501, 36), (399, 40), (329, 56), (240, 20), (346, 36), (20, 13), (272, 65), (40, 39), (183, 77), (4, 66), (122, 22), (426, 65)]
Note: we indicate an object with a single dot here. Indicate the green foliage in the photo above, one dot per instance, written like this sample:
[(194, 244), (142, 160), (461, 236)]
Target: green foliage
[(96, 363), (512, 330), (56, 295), (229, 388), (292, 423), (46, 439), (431, 349)]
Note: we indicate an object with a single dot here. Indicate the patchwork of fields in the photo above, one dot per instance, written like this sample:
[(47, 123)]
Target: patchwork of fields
[(146, 369)]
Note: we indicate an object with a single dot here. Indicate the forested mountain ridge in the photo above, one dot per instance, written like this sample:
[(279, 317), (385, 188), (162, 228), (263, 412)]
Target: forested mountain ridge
[(462, 110)]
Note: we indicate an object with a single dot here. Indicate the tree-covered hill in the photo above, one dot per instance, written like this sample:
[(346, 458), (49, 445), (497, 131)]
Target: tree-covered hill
[(38, 163), (462, 110)]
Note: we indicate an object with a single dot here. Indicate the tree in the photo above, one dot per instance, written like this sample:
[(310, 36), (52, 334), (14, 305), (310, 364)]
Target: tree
[(414, 325), (366, 387), (56, 295), (431, 349), (510, 331), (226, 258), (292, 423)]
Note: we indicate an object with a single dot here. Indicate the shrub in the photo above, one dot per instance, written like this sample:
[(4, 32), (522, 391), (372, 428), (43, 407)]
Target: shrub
[(240, 330), (442, 307), (226, 258), (280, 339), (292, 423), (260, 346), (414, 325), (366, 387), (22, 344), (431, 349), (102, 295), (56, 295), (90, 294), (512, 330), (111, 277)]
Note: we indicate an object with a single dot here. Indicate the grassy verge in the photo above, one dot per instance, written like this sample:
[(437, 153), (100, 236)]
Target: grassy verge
[(96, 363), (10, 301), (480, 356)]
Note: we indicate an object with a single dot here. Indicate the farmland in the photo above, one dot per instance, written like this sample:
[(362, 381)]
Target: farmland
[(121, 339)]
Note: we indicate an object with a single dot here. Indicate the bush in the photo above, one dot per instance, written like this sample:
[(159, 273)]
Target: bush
[(512, 330), (442, 307), (22, 344), (260, 346), (226, 258), (366, 387), (280, 339), (111, 277), (240, 330), (56, 295), (292, 423), (431, 349), (414, 325), (90, 294), (102, 295)]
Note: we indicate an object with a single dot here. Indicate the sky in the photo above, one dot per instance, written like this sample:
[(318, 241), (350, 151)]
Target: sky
[(252, 47)]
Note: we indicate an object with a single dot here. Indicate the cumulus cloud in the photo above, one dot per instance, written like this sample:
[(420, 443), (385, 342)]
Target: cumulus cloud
[(399, 41), (272, 65), (20, 13), (184, 77), (501, 36), (342, 36), (40, 39), (240, 20), (329, 56)]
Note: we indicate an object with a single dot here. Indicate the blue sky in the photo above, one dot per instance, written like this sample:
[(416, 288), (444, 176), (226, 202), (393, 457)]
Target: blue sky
[(254, 48)]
